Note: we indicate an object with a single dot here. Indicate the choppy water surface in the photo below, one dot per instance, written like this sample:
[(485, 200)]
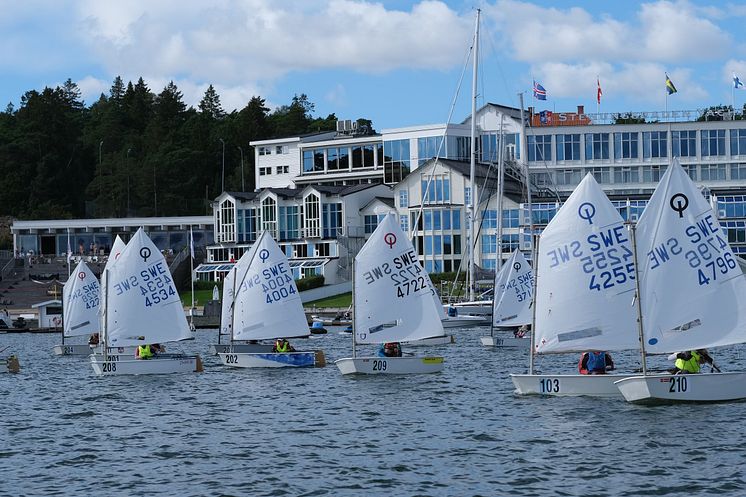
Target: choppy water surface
[(312, 432)]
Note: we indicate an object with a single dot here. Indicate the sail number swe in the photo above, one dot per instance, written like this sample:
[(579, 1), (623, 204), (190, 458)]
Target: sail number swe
[(549, 385)]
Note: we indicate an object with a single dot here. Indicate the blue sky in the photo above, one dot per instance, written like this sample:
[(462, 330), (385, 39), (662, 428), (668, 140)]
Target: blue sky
[(396, 62)]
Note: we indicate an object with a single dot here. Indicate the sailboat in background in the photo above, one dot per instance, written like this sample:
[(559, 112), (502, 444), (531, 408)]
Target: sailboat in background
[(691, 293), (141, 307), (267, 306), (392, 302), (584, 290), (81, 301), (514, 286)]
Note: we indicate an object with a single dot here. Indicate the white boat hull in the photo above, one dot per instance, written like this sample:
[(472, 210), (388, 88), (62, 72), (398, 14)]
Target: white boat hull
[(9, 364), (444, 340), (83, 349), (390, 365), (703, 387), (567, 385), (465, 321), (303, 359), (251, 348), (117, 366), (476, 308), (506, 342)]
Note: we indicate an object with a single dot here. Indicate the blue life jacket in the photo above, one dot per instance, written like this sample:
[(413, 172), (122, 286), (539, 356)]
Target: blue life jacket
[(596, 361)]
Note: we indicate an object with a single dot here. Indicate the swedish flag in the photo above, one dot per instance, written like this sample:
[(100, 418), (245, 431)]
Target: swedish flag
[(670, 88)]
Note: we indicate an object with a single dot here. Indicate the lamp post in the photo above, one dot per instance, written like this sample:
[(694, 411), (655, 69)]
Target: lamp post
[(127, 165), (243, 185), (155, 194), (222, 185)]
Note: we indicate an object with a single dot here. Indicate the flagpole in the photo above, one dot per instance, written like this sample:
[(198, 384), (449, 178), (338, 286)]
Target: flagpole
[(598, 95)]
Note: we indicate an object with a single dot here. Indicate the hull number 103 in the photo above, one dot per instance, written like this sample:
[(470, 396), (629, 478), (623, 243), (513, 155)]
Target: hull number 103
[(549, 385)]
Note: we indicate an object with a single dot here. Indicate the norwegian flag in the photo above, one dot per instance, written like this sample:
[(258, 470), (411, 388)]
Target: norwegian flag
[(598, 95)]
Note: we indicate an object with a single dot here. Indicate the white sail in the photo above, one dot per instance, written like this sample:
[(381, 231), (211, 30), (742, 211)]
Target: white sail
[(81, 297), (267, 302), (142, 303), (393, 297), (226, 307), (514, 286), (692, 290), (585, 277), (116, 250)]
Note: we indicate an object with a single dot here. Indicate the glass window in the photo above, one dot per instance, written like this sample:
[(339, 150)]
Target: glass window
[(396, 161), (428, 148), (712, 172), (510, 218), (456, 219), (567, 176), (332, 220), (601, 174), (312, 215), (625, 146), (596, 146), (652, 174), (738, 142), (370, 223), (712, 142), (489, 219), (269, 216), (626, 175), (403, 197), (568, 147), (539, 147), (467, 195), (446, 219), (738, 171), (684, 143), (308, 161), (404, 223), (654, 144), (489, 244)]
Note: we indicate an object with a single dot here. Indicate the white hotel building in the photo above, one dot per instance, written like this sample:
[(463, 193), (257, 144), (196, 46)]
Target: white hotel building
[(323, 194)]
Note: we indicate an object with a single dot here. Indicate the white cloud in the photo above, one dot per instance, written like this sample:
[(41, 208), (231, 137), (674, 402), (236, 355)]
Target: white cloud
[(249, 44), (91, 88), (663, 32)]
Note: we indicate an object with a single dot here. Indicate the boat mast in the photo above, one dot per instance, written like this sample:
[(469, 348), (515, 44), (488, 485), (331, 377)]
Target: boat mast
[(640, 330), (354, 312), (524, 152), (535, 263), (500, 190), (105, 317), (472, 161)]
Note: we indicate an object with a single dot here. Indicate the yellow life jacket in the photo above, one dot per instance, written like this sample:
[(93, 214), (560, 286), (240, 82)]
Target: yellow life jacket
[(144, 351), (691, 365), (282, 346)]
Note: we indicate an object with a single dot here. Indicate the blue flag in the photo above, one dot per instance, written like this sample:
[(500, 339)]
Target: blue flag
[(737, 83), (539, 92)]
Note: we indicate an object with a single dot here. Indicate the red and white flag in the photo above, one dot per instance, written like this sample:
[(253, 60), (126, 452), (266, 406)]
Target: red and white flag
[(599, 93)]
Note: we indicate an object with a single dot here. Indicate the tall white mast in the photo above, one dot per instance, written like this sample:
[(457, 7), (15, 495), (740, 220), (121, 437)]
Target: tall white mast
[(471, 251)]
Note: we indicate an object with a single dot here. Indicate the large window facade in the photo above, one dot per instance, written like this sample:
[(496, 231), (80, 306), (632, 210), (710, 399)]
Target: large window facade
[(654, 144), (539, 147), (396, 161), (626, 145), (712, 142), (269, 216), (226, 221), (738, 142), (332, 214), (684, 143), (363, 156), (568, 147), (430, 147), (596, 146), (436, 189), (312, 216), (289, 222)]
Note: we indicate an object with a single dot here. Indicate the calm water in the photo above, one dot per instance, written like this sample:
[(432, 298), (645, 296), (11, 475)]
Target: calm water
[(312, 432)]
